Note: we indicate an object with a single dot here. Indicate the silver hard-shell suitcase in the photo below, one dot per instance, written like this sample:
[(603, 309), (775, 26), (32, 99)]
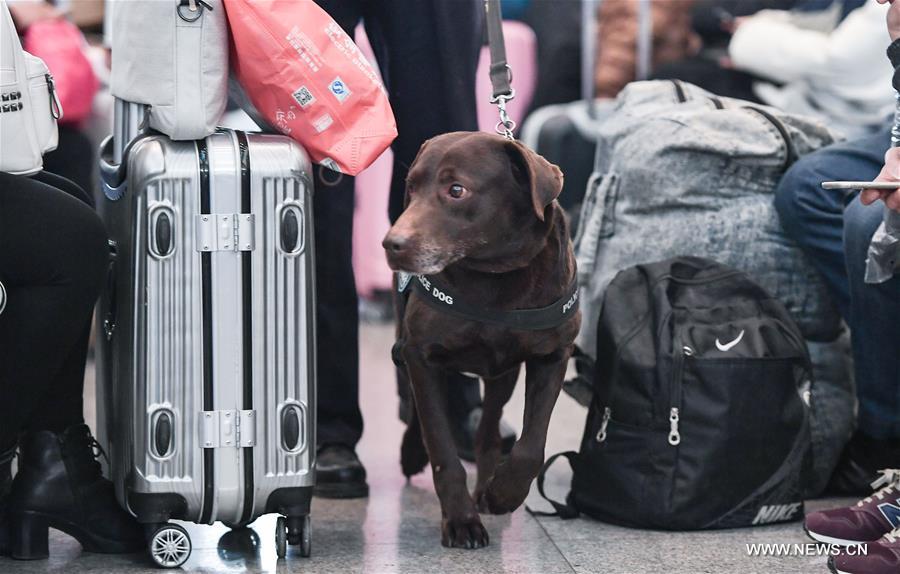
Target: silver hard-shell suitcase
[(206, 343)]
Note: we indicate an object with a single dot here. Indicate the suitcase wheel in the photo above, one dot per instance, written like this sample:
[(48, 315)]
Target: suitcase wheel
[(296, 531), (306, 537), (281, 537), (170, 546)]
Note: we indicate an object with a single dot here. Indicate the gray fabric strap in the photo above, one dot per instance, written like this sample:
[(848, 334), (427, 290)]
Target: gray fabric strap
[(499, 71)]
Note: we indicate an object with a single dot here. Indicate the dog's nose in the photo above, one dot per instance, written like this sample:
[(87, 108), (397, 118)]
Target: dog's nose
[(394, 243)]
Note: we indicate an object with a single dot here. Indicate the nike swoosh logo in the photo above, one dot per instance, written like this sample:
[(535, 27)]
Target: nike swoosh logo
[(729, 346)]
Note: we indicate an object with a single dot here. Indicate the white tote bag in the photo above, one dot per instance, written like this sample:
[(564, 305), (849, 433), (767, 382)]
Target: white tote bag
[(29, 106), (172, 55)]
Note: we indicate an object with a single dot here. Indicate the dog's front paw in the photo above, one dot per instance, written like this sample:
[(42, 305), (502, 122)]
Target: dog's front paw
[(464, 532), (413, 456), (505, 491)]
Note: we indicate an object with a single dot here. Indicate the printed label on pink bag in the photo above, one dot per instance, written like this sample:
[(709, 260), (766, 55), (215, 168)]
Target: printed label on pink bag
[(303, 96), (282, 119), (339, 89), (323, 122), (305, 75)]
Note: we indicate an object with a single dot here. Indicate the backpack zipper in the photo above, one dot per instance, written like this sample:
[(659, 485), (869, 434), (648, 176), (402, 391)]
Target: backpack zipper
[(607, 411), (675, 389), (674, 435), (604, 422)]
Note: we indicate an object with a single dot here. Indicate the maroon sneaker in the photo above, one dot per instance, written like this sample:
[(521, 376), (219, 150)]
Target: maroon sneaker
[(868, 521), (879, 557)]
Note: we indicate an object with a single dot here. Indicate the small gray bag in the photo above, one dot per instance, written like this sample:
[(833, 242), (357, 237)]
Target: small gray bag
[(172, 55), (680, 171)]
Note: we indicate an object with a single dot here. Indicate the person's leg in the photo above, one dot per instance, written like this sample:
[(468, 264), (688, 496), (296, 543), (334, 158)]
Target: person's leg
[(339, 474), (64, 399), (875, 328), (834, 238), (53, 258), (339, 417), (814, 217)]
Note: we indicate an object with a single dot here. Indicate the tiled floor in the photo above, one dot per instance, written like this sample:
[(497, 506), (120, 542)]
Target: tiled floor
[(397, 528)]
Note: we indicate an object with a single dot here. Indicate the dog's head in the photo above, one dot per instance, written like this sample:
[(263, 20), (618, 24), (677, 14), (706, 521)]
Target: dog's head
[(473, 196)]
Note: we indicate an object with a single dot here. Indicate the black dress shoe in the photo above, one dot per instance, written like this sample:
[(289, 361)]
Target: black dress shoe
[(339, 473), (60, 485), (6, 458), (860, 462), (464, 435)]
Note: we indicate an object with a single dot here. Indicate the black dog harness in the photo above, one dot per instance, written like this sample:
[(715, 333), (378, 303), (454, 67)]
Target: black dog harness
[(436, 295)]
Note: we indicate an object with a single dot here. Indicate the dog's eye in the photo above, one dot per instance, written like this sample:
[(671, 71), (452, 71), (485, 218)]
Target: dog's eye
[(456, 191)]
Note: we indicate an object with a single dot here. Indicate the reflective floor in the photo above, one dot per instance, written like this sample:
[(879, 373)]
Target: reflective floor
[(397, 529)]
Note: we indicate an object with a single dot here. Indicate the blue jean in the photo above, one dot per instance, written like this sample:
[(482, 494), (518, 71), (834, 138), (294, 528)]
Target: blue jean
[(834, 229)]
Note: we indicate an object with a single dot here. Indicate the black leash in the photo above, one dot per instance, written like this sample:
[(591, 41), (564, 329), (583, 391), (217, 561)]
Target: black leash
[(500, 72)]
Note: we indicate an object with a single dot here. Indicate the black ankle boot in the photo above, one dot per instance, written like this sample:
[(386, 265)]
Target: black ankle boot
[(59, 484), (339, 473), (6, 458)]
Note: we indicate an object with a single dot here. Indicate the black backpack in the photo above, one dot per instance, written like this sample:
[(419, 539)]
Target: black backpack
[(699, 416)]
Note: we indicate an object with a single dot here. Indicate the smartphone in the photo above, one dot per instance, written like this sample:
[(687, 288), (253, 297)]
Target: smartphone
[(887, 185)]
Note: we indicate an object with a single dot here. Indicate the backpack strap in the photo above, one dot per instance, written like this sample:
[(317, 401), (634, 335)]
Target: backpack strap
[(581, 386), (561, 510)]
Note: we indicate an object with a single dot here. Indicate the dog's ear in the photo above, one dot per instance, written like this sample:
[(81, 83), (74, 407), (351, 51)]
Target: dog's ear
[(541, 177)]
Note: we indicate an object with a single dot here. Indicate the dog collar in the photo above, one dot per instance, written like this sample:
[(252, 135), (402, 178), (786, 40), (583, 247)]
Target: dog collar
[(438, 296)]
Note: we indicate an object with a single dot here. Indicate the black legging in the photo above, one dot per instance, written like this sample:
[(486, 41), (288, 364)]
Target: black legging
[(53, 257)]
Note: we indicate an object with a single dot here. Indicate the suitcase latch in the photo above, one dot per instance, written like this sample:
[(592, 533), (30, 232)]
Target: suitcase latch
[(220, 429), (225, 231)]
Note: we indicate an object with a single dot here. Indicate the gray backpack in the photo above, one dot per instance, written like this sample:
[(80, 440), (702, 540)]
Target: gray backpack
[(680, 171)]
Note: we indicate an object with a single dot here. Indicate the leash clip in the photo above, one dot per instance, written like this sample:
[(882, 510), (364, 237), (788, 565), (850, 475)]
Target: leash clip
[(506, 125)]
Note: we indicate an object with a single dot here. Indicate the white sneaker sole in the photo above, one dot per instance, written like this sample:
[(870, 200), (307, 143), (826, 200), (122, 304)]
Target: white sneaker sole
[(836, 541)]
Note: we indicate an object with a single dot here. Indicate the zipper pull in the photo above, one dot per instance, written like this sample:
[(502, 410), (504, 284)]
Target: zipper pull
[(674, 435), (55, 106), (601, 434)]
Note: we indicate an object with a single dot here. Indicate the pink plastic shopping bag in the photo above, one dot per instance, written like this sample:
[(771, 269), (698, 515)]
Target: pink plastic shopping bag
[(308, 79)]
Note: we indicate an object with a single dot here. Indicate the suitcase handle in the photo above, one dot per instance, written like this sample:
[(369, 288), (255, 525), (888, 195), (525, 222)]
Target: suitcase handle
[(112, 175)]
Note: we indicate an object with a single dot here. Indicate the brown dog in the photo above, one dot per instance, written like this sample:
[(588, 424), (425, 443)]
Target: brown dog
[(482, 222)]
